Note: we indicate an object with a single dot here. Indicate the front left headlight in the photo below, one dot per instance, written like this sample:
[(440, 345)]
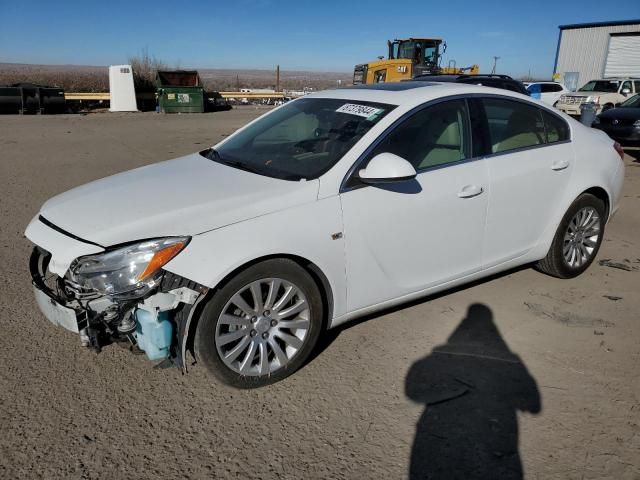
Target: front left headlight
[(130, 270)]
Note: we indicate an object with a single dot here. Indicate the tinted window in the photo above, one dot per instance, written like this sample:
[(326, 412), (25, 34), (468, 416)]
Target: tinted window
[(637, 85), (631, 102), (514, 87), (601, 86), (556, 129), (513, 124), (550, 87), (437, 135), (626, 85)]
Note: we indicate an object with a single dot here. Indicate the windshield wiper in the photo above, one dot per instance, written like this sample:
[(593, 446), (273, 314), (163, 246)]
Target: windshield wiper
[(213, 154), (240, 165)]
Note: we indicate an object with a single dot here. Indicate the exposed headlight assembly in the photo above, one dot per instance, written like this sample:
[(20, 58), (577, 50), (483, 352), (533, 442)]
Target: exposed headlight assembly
[(131, 270)]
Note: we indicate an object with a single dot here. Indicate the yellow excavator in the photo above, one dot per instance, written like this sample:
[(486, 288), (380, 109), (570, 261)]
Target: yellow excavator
[(409, 57)]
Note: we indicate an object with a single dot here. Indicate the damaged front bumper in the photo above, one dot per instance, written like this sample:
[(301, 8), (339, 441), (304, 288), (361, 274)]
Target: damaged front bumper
[(156, 323)]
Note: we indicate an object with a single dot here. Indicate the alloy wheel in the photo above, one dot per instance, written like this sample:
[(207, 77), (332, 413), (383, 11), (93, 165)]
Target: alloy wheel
[(581, 237), (262, 327)]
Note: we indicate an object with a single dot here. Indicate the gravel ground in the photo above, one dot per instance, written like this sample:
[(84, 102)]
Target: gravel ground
[(521, 372)]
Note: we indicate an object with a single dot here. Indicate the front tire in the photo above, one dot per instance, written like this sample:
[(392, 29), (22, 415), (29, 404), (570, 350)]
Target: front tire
[(261, 326), (577, 240)]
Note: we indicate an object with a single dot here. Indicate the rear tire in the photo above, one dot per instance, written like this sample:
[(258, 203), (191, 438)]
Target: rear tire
[(261, 326), (577, 240)]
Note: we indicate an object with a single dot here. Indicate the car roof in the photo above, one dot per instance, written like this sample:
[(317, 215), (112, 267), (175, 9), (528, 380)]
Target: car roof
[(410, 93)]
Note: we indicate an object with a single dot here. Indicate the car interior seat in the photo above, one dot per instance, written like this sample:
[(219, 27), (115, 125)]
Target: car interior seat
[(523, 130), (442, 141)]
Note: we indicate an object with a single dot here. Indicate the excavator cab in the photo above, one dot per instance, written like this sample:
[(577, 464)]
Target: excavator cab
[(409, 58), (424, 53)]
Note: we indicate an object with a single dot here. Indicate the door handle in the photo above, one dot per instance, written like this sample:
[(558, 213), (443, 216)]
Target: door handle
[(469, 191), (559, 165)]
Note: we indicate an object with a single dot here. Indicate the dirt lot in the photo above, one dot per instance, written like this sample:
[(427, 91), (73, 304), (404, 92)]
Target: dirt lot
[(544, 370)]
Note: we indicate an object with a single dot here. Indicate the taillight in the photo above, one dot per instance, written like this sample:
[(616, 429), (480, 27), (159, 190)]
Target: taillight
[(618, 148)]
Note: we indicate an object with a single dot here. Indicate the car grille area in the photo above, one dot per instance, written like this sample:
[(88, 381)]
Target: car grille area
[(574, 100)]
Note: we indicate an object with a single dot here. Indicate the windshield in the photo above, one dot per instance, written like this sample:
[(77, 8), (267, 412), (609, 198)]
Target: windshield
[(302, 139), (601, 86), (633, 102), (421, 52), (407, 50)]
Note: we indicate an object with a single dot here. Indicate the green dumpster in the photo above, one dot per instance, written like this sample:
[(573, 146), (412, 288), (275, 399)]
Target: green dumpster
[(180, 91)]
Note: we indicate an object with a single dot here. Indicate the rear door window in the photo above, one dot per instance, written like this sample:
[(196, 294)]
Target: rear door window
[(513, 125), (556, 128), (551, 88), (512, 87)]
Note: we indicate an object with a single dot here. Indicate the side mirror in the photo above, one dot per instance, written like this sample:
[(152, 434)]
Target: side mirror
[(387, 168), (626, 91)]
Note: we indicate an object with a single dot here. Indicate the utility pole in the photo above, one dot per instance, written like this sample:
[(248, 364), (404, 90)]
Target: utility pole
[(277, 78), (495, 62)]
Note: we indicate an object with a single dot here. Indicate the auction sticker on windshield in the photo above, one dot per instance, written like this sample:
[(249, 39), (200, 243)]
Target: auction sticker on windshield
[(359, 110)]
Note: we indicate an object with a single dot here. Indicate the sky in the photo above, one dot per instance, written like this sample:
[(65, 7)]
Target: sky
[(319, 35)]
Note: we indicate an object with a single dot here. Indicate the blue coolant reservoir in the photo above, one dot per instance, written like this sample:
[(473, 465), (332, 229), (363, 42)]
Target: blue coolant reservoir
[(153, 332)]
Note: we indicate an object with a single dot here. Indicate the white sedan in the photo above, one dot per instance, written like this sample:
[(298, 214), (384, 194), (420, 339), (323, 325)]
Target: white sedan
[(332, 206)]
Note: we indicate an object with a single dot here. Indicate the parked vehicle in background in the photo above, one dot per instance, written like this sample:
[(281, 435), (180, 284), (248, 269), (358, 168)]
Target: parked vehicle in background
[(605, 94), (214, 102), (504, 82), (622, 123), (547, 92), (331, 207)]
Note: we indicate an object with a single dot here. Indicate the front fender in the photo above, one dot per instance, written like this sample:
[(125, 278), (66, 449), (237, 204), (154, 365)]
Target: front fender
[(307, 231)]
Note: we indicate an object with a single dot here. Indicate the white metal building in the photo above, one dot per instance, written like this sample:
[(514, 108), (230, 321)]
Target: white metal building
[(589, 51)]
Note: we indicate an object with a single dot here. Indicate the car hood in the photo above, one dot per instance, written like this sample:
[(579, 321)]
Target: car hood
[(185, 196), (625, 113)]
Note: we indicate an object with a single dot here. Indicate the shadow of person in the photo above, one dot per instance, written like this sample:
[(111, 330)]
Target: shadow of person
[(472, 388)]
